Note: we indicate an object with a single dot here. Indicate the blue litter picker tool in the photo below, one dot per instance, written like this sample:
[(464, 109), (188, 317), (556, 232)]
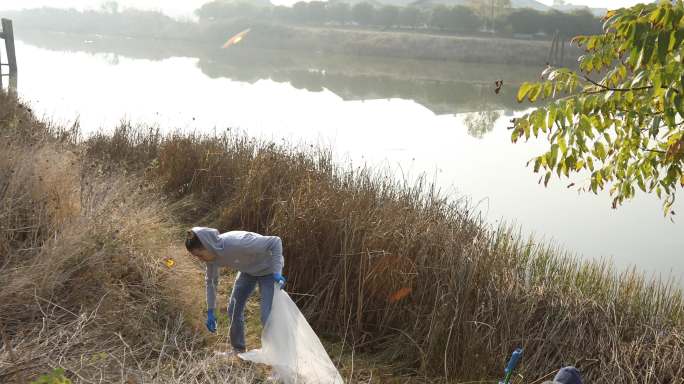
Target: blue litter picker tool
[(512, 364)]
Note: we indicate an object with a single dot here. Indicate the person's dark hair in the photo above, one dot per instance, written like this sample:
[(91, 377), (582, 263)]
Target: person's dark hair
[(192, 242)]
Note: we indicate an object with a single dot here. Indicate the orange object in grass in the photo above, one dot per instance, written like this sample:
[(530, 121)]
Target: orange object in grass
[(400, 294), (170, 262)]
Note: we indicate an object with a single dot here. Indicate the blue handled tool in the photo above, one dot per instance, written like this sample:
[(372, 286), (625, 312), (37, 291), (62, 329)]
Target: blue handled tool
[(512, 363)]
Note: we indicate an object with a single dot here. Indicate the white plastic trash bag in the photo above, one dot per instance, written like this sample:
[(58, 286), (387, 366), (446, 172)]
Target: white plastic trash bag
[(291, 347)]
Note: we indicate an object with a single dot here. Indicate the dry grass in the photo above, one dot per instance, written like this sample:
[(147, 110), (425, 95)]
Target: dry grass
[(84, 286), (355, 237)]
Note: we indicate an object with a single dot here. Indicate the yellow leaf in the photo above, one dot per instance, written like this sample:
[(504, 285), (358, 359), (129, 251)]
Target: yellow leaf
[(170, 262), (523, 90), (682, 181)]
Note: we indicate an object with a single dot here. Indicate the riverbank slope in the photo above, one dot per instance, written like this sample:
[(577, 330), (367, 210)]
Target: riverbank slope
[(401, 273)]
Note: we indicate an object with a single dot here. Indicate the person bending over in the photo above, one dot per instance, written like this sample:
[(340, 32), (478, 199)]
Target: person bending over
[(259, 260)]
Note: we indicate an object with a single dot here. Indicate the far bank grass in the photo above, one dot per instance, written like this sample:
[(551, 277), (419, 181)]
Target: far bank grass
[(408, 275)]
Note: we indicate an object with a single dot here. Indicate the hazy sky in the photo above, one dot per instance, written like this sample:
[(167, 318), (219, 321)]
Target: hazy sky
[(170, 7), (185, 7)]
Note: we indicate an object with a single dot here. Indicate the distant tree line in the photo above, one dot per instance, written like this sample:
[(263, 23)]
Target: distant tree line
[(108, 20), (456, 19), (215, 16)]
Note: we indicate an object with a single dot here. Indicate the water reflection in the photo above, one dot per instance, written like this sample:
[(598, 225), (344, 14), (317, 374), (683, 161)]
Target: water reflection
[(387, 127), (110, 58), (480, 123), (441, 87)]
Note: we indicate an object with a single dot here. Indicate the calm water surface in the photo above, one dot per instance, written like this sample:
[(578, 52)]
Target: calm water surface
[(414, 117)]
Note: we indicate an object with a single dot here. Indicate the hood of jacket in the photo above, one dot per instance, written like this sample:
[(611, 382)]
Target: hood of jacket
[(210, 239)]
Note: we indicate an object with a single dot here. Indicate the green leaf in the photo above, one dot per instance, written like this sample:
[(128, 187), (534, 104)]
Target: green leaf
[(554, 155), (657, 15), (622, 71), (610, 20), (535, 92), (669, 115), (600, 150), (551, 116), (562, 145), (620, 130), (523, 90), (679, 104), (676, 17), (679, 37), (647, 50), (515, 135), (663, 45), (655, 126), (591, 42), (569, 111), (639, 29), (640, 183), (547, 89), (629, 97), (585, 123), (599, 178)]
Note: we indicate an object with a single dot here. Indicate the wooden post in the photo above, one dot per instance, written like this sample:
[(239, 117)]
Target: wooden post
[(1, 36), (8, 35)]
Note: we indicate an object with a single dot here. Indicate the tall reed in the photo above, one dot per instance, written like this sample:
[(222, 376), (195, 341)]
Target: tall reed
[(399, 271), (83, 281), (412, 275)]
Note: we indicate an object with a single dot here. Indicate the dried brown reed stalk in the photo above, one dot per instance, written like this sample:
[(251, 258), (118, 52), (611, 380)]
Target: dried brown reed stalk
[(476, 291), (84, 286)]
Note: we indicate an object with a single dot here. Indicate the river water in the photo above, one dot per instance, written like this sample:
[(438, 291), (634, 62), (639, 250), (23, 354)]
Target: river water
[(442, 119)]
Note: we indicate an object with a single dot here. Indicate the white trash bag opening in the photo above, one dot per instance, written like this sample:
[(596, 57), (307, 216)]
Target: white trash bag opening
[(291, 347)]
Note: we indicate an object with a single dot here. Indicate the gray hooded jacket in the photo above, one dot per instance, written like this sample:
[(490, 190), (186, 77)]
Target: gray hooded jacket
[(247, 252)]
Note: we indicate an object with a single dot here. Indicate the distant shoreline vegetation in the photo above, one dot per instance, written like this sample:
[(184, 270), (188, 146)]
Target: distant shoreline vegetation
[(479, 17), (459, 33)]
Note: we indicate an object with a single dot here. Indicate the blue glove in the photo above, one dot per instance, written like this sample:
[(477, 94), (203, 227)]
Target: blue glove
[(280, 280), (211, 321)]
